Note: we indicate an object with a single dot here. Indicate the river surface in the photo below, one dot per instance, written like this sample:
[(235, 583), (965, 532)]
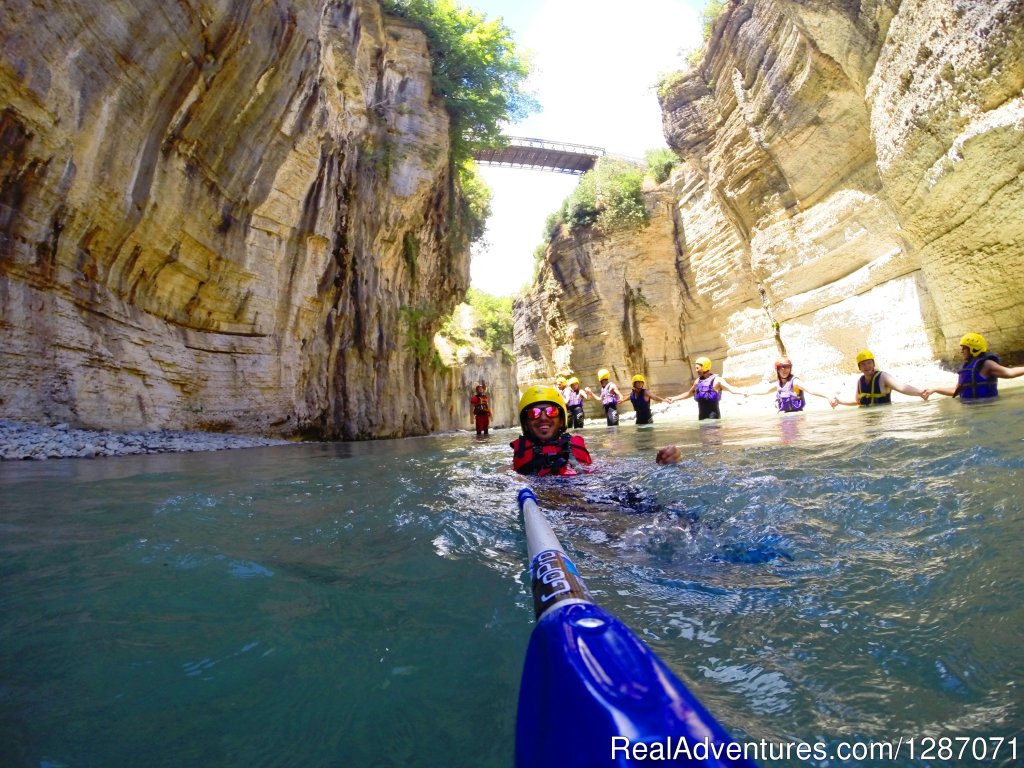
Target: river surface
[(849, 576)]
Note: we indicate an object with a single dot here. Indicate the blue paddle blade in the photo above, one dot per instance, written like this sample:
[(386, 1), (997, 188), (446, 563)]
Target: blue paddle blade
[(593, 694)]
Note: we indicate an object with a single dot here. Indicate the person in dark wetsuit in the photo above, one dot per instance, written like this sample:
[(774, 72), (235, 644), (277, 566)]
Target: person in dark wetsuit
[(978, 378), (640, 397), (706, 390), (788, 389), (875, 387)]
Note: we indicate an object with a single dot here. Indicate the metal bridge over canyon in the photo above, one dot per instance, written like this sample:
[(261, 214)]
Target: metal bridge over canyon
[(540, 155)]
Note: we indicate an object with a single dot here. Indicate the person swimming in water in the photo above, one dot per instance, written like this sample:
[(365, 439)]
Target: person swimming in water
[(980, 373), (546, 447)]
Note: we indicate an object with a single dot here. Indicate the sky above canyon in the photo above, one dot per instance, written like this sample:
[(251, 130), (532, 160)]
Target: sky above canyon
[(595, 68)]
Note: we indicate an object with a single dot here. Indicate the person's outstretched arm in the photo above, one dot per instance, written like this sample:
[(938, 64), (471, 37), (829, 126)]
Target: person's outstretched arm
[(837, 400), (947, 391), (890, 381), (992, 369), (683, 395), (721, 383), (799, 383), (764, 388)]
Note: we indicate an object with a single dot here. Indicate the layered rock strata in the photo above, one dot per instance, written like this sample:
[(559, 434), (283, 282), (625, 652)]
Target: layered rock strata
[(606, 300), (851, 177), (223, 215)]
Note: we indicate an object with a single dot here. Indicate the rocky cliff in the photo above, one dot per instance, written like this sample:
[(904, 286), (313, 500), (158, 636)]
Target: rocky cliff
[(223, 215), (851, 177), (606, 300), (470, 361)]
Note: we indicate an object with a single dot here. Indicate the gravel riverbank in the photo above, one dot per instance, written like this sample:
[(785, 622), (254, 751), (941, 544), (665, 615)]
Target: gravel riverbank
[(19, 440)]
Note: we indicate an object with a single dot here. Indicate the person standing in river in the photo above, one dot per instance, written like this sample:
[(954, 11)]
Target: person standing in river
[(788, 389), (574, 397), (560, 385), (979, 375), (875, 387), (706, 390), (610, 397), (640, 397), (480, 404)]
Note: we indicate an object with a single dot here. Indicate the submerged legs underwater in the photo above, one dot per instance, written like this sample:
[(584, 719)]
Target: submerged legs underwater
[(628, 502)]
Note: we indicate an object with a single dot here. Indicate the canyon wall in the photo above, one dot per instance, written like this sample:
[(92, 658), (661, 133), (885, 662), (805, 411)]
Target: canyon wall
[(850, 177), (606, 300), (223, 215), (470, 361)]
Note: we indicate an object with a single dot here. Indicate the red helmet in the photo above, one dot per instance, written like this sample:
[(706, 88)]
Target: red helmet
[(783, 361)]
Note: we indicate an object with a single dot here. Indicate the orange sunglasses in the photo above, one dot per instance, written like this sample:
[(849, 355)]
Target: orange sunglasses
[(551, 411)]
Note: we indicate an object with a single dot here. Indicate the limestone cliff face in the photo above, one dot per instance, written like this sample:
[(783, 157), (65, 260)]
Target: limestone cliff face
[(606, 300), (470, 363), (851, 177), (222, 215)]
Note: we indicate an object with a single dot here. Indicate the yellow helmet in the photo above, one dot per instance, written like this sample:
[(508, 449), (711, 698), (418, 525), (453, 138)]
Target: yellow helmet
[(560, 381), (541, 394), (865, 354), (974, 342), (572, 380), (602, 374), (639, 378), (703, 363)]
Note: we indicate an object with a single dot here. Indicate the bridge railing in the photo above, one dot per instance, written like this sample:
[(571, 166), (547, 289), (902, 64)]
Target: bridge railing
[(541, 155)]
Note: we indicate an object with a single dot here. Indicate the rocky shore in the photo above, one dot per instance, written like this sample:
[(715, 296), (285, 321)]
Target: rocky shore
[(19, 440)]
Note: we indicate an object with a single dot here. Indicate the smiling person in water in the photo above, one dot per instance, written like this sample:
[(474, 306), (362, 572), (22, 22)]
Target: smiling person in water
[(788, 389), (875, 387), (545, 447)]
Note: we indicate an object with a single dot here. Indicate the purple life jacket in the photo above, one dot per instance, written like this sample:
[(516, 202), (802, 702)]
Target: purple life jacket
[(706, 389)]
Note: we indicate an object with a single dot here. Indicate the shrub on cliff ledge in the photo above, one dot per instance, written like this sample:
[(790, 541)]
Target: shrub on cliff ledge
[(611, 196), (660, 163)]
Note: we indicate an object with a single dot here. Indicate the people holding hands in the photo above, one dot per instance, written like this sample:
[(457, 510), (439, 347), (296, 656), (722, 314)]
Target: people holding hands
[(706, 390)]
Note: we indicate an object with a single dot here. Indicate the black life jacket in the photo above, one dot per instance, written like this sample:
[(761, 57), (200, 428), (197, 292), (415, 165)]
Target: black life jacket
[(871, 393)]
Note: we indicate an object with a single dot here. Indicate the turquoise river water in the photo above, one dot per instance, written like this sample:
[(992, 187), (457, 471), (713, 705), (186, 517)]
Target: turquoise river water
[(840, 578)]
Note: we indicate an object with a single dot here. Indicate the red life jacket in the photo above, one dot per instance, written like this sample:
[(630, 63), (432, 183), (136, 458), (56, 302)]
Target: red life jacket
[(558, 457)]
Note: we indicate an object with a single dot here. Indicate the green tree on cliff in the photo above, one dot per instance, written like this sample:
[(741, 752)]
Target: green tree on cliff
[(492, 322), (479, 74), (476, 70), (610, 195)]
